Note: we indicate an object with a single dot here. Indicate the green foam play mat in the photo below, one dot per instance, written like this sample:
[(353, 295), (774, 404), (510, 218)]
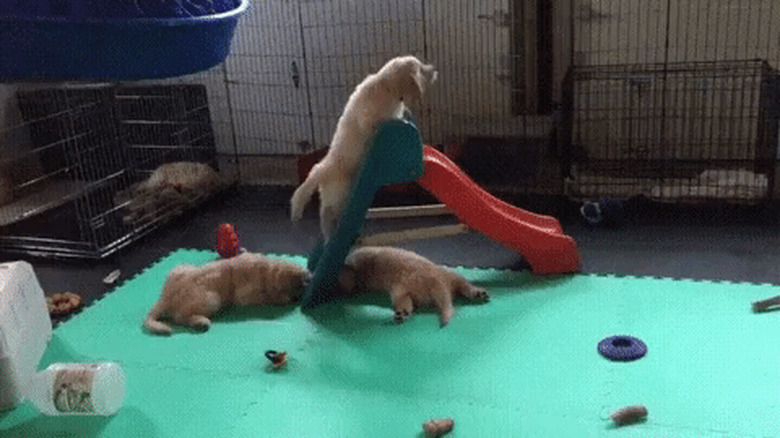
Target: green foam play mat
[(524, 364)]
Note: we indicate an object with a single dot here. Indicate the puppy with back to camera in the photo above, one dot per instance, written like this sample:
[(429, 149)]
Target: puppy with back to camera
[(381, 96)]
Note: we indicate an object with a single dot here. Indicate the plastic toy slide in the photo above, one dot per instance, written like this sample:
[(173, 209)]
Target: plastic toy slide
[(397, 156), (539, 239)]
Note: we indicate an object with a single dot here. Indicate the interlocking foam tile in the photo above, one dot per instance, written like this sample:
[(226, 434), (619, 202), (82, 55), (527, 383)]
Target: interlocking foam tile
[(524, 364)]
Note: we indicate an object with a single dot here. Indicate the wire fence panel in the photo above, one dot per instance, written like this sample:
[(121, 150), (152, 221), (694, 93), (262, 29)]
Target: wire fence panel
[(675, 101)]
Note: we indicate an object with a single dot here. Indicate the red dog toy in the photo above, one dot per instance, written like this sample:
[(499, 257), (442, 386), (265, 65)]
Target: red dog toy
[(228, 244)]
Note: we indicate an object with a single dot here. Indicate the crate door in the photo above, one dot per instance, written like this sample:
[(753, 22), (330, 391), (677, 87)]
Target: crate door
[(267, 82)]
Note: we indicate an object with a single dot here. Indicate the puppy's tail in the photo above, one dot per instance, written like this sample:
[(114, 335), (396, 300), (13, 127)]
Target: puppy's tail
[(152, 322), (304, 192)]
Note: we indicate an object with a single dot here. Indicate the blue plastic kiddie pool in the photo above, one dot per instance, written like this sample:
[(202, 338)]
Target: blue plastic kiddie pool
[(114, 39)]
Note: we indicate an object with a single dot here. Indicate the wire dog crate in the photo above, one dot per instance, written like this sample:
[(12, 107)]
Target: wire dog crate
[(677, 132), (163, 124), (75, 158)]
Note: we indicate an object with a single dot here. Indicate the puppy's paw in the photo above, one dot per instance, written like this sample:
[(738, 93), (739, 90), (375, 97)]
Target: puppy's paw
[(200, 328), (199, 323), (296, 215), (446, 316), (401, 316), (480, 295)]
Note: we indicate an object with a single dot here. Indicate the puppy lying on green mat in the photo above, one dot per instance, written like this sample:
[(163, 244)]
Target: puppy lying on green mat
[(192, 294), (411, 279)]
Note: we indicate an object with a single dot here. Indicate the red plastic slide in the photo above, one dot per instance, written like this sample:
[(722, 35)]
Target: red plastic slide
[(539, 239)]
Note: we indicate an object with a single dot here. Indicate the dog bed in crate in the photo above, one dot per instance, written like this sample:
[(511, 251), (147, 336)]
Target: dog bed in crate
[(114, 39), (735, 186)]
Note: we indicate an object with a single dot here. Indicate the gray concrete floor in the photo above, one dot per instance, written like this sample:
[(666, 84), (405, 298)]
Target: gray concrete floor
[(735, 245)]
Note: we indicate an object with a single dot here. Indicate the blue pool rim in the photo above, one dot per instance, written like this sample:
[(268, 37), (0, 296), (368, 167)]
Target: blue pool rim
[(106, 49), (116, 21)]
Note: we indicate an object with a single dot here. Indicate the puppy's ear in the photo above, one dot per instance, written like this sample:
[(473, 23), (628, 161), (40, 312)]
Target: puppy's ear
[(430, 73), (412, 85)]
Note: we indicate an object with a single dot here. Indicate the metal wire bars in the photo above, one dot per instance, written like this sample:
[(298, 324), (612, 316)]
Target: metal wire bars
[(676, 101), (69, 150)]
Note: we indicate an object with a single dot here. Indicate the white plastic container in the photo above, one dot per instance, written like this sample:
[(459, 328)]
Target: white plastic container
[(10, 392), (78, 389), (25, 329)]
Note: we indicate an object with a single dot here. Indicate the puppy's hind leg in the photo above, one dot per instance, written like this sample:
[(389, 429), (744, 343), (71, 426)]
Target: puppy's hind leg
[(443, 302), (196, 315), (329, 219), (468, 291), (402, 304), (333, 201)]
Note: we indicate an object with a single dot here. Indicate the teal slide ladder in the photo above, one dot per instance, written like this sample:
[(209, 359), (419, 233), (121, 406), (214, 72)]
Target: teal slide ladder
[(395, 156)]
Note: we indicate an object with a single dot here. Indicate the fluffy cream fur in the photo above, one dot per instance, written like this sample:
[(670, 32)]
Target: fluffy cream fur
[(380, 97), (411, 279), (168, 190), (192, 294)]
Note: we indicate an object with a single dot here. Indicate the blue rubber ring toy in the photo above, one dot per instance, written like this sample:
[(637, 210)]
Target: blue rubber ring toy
[(622, 348)]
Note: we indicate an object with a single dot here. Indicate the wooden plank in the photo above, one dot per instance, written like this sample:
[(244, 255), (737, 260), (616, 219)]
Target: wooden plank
[(408, 211), (391, 237)]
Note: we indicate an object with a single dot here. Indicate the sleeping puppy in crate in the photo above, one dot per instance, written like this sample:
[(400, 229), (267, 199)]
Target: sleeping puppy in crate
[(382, 96), (411, 280), (171, 188), (192, 294)]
